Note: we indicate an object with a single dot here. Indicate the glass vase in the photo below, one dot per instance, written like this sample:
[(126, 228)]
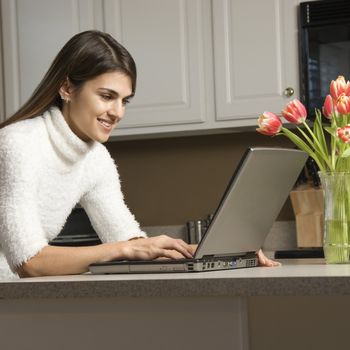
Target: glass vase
[(336, 237)]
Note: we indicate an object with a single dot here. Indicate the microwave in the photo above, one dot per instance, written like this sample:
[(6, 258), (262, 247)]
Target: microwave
[(324, 47)]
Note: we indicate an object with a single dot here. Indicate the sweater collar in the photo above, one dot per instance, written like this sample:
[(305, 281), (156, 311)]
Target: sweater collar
[(68, 145)]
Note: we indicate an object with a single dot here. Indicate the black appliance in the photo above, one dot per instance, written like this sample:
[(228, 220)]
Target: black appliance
[(324, 33), (77, 231)]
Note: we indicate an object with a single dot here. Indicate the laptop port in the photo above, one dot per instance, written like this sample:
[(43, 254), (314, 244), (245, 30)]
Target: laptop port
[(251, 263), (233, 263)]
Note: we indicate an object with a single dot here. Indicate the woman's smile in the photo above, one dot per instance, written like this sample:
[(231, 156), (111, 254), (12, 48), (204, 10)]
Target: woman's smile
[(106, 124)]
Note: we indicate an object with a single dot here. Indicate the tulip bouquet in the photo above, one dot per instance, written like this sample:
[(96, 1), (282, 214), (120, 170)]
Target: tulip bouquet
[(331, 154), (336, 108)]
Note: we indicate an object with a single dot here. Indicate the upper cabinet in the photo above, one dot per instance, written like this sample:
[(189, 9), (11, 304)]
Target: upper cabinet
[(2, 102), (202, 65), (33, 31), (256, 57), (170, 41)]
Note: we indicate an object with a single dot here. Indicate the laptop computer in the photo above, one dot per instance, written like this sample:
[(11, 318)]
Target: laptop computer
[(251, 203)]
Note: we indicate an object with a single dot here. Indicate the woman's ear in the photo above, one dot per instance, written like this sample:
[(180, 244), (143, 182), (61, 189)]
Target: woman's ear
[(65, 90)]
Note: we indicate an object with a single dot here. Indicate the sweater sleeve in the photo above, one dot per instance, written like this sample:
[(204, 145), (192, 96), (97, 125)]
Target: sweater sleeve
[(105, 206), (21, 233)]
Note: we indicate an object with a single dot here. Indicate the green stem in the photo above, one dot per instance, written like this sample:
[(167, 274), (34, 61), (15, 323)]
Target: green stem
[(333, 142), (303, 146), (316, 145)]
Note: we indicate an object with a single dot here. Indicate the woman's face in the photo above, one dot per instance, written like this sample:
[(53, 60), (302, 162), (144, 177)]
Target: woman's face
[(93, 111)]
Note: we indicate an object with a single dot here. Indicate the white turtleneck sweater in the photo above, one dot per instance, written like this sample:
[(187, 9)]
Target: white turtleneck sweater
[(45, 170)]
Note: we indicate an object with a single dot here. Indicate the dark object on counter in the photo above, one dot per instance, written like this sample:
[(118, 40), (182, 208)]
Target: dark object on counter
[(313, 170), (302, 178), (77, 231), (309, 173), (303, 253), (197, 228)]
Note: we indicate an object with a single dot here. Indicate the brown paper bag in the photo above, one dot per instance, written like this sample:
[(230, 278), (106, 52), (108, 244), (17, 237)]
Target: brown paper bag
[(307, 203)]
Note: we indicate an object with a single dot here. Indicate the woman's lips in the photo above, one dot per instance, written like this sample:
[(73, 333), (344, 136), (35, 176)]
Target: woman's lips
[(107, 124)]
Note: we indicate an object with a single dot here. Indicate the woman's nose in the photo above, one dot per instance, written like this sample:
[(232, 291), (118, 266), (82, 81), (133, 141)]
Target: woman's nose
[(117, 110)]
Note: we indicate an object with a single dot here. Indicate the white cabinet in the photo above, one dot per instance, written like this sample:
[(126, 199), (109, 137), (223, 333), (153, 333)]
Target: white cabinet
[(256, 57), (202, 64), (170, 41), (33, 31), (2, 102)]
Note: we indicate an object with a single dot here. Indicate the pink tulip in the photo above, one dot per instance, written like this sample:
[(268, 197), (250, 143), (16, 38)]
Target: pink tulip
[(269, 124), (344, 133), (328, 107), (343, 104), (339, 87), (295, 112)]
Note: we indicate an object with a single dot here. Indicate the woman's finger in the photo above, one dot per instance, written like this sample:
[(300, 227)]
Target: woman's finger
[(183, 248), (171, 254), (264, 261), (179, 245)]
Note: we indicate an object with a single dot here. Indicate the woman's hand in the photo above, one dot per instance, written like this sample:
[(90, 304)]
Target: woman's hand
[(166, 247), (157, 247), (264, 261)]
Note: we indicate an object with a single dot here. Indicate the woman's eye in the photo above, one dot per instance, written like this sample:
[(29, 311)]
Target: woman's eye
[(107, 97), (126, 101)]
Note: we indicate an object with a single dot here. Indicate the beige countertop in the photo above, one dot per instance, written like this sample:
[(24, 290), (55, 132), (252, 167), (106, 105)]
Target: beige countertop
[(305, 277)]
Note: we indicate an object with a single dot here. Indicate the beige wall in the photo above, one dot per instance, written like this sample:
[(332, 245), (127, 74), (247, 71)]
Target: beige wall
[(170, 181)]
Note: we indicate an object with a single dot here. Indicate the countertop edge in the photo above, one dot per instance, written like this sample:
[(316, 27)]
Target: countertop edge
[(218, 287)]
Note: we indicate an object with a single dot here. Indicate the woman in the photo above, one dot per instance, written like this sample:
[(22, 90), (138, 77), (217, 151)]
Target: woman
[(51, 158)]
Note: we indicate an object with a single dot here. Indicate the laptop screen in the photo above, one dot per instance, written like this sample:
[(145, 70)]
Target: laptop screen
[(252, 201)]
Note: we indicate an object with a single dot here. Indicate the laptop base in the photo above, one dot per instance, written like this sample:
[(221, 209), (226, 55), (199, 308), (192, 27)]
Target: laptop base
[(169, 266)]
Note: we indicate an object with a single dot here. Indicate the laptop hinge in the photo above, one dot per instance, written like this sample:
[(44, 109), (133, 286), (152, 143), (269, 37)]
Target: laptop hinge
[(223, 256)]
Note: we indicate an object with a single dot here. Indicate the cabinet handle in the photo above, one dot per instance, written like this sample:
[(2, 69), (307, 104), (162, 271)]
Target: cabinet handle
[(289, 91)]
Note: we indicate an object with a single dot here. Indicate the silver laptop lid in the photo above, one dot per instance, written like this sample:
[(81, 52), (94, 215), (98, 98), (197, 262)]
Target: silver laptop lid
[(252, 201)]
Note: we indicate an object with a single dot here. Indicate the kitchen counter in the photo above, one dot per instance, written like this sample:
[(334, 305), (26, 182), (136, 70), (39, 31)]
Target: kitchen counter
[(308, 277), (256, 308)]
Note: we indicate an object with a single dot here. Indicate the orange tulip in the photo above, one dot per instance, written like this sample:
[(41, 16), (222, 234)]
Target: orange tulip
[(295, 112), (343, 104), (269, 124), (339, 87)]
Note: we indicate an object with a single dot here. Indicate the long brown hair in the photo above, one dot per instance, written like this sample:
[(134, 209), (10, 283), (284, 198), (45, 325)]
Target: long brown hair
[(85, 56)]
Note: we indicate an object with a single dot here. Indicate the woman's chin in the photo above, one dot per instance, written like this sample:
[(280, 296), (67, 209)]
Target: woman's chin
[(102, 138)]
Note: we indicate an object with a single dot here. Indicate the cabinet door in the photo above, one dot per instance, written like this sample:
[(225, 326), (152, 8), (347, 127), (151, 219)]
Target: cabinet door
[(169, 42), (256, 57), (2, 101), (33, 31)]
